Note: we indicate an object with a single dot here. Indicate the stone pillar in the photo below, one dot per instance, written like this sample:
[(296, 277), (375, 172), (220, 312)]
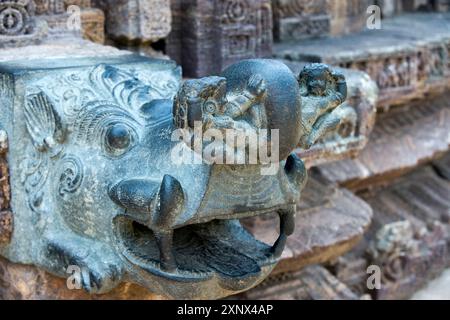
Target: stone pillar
[(136, 24), (348, 16), (207, 36)]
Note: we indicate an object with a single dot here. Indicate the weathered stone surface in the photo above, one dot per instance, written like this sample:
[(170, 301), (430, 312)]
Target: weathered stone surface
[(406, 62), (92, 25), (353, 133), (136, 21), (389, 8), (6, 219), (425, 5), (402, 139), (208, 36), (312, 283), (330, 221), (408, 238), (21, 282)]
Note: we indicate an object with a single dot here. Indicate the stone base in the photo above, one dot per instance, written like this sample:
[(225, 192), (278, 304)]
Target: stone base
[(421, 199), (20, 282)]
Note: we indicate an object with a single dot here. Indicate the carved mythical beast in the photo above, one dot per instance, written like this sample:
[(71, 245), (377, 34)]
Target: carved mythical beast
[(94, 185)]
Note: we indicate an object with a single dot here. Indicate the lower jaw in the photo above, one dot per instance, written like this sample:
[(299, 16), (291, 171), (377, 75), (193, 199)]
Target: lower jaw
[(220, 254)]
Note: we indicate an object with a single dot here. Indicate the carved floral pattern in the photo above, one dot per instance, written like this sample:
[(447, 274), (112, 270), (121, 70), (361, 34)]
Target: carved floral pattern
[(16, 17)]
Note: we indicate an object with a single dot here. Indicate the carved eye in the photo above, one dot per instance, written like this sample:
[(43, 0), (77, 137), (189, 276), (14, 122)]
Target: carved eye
[(210, 107), (118, 138)]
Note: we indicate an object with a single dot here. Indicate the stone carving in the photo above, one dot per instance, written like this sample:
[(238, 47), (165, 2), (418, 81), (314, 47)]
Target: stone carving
[(99, 187), (208, 36), (407, 258), (16, 17), (357, 118)]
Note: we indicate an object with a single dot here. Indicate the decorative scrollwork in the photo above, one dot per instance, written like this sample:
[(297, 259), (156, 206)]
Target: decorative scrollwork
[(71, 175)]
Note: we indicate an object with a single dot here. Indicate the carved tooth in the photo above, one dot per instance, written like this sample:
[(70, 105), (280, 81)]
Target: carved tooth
[(165, 246), (171, 202), (287, 227)]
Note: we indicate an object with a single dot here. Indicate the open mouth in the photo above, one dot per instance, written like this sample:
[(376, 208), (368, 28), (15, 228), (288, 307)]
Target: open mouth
[(222, 248)]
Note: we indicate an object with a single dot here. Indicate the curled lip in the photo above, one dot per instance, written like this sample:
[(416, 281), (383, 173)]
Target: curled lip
[(221, 248)]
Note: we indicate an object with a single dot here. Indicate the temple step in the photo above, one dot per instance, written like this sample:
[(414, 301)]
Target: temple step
[(408, 239), (312, 283), (402, 138)]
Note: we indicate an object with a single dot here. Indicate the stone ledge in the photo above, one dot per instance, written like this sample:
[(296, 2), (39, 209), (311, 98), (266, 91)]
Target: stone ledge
[(402, 139), (407, 62), (312, 283), (21, 282)]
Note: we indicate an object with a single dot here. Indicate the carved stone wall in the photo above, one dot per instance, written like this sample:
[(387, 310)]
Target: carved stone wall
[(207, 36), (405, 64), (303, 19), (300, 19)]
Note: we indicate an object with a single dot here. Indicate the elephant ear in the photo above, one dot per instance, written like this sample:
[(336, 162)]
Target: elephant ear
[(43, 122)]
